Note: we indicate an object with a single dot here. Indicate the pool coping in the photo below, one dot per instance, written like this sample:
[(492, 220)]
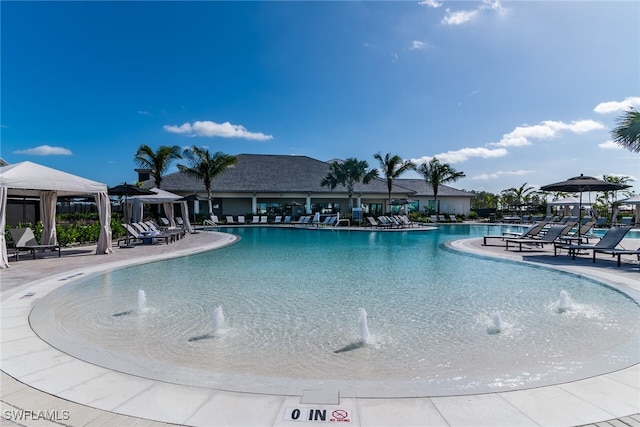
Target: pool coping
[(36, 374)]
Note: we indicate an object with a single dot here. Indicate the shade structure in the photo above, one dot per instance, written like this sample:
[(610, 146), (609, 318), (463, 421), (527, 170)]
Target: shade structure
[(581, 184), (404, 201), (193, 198), (127, 190), (633, 200), (566, 202), (32, 179), (164, 198)]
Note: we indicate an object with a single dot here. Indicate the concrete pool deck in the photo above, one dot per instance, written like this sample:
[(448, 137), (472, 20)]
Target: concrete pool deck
[(43, 386)]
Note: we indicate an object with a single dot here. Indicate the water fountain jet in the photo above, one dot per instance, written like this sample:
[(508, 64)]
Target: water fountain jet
[(363, 327), (497, 324), (218, 321), (565, 302), (142, 301)]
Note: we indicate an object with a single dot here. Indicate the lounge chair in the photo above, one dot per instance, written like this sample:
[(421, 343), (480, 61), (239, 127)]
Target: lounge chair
[(625, 220), (386, 222), (24, 240), (213, 221), (433, 218), (241, 219), (601, 222), (528, 233), (278, 219), (287, 219), (326, 221), (549, 237), (263, 219), (618, 253), (255, 219), (608, 242), (230, 219), (147, 236), (584, 233), (373, 222)]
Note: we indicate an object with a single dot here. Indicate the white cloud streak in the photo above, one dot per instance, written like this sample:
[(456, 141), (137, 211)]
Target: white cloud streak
[(45, 150), (417, 45), (522, 135), (610, 145), (460, 17), (617, 106), (212, 129), (462, 155), (430, 3)]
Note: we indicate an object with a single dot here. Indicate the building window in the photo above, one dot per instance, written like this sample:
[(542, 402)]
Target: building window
[(326, 208)]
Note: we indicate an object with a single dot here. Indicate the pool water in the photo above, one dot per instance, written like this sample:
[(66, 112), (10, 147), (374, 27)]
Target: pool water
[(291, 300)]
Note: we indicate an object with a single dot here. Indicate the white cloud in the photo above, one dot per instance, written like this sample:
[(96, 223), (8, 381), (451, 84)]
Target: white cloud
[(430, 3), (610, 145), (459, 17), (45, 150), (213, 129), (615, 106), (499, 174), (522, 135), (417, 45), (463, 155), (143, 113)]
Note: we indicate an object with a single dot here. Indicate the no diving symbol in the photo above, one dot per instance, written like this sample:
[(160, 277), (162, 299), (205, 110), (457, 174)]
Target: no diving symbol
[(340, 415)]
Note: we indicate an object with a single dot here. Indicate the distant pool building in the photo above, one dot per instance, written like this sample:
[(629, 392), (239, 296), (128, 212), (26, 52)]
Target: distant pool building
[(290, 185)]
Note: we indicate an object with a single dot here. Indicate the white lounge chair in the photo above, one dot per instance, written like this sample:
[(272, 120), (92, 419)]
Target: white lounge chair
[(24, 240)]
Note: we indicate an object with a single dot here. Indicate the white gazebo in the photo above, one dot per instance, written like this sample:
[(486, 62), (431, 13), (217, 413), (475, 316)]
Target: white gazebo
[(164, 198), (32, 179), (633, 200), (567, 202)]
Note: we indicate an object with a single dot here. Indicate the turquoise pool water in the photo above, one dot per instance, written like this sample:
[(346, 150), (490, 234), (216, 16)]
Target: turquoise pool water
[(291, 300)]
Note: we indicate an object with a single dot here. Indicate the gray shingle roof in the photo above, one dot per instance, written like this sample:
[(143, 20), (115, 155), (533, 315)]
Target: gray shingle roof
[(284, 173)]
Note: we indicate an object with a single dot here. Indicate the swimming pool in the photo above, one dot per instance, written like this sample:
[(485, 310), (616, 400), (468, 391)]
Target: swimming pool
[(292, 298)]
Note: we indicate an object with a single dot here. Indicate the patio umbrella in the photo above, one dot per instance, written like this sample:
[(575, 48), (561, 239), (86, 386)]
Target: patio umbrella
[(127, 190), (581, 184), (192, 198)]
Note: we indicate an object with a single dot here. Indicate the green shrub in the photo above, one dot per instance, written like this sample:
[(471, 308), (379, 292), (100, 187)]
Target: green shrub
[(473, 215)]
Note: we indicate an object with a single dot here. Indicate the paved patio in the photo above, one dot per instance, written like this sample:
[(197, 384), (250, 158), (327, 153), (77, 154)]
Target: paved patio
[(42, 386)]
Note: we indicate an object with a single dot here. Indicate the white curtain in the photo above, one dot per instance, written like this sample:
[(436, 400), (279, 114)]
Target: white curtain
[(48, 200), (4, 258), (168, 211), (185, 214), (104, 214), (137, 208)]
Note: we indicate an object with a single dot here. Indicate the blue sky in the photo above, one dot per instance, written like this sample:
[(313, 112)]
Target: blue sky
[(508, 92)]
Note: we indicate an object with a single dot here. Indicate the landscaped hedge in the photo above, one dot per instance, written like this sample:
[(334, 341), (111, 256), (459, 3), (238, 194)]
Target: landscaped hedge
[(75, 229)]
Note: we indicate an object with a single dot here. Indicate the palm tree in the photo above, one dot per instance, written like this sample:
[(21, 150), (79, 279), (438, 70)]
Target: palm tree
[(392, 167), (627, 133), (518, 196), (348, 173), (206, 166), (436, 174), (156, 161)]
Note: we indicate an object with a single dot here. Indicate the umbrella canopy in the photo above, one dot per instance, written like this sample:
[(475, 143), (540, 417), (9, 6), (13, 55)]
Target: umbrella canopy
[(192, 198), (127, 190), (404, 201), (633, 200), (583, 183)]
